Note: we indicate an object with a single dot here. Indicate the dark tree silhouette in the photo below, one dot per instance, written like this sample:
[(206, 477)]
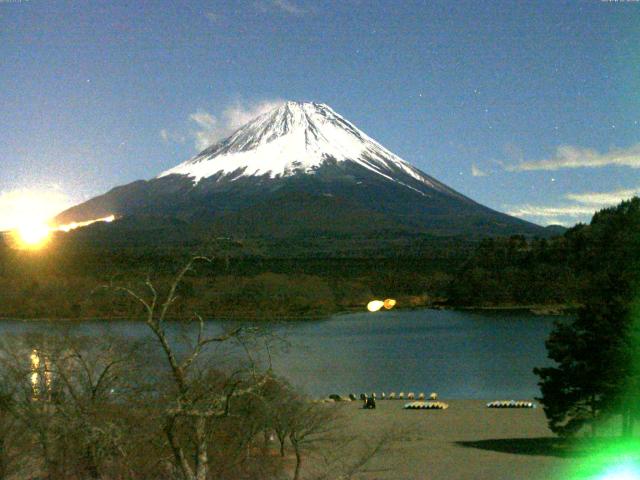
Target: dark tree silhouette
[(596, 355)]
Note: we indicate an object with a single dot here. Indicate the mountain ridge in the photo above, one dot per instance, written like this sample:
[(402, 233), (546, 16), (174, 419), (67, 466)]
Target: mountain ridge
[(298, 138), (309, 148)]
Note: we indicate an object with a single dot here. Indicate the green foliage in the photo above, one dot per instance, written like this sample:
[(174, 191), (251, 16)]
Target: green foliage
[(596, 355), (516, 271), (293, 279), (298, 294)]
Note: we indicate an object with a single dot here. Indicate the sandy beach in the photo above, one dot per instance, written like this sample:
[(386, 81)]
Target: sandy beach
[(466, 441)]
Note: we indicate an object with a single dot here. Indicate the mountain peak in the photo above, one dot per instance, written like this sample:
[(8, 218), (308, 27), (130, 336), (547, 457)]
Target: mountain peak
[(299, 138), (295, 105), (301, 169)]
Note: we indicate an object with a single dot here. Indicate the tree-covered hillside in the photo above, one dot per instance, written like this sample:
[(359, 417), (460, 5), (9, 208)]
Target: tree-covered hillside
[(518, 271), (307, 276), (597, 355)]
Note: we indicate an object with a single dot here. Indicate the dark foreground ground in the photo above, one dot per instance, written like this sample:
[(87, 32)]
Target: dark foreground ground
[(466, 441)]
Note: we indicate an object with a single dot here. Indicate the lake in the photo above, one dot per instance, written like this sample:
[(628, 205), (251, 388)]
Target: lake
[(459, 354)]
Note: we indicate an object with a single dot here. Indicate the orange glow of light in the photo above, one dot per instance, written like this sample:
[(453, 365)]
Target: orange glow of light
[(389, 303), (73, 225), (34, 235)]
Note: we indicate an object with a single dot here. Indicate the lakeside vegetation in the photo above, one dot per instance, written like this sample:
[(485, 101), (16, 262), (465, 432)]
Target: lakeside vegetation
[(74, 407), (255, 279), (242, 281), (302, 278), (595, 374)]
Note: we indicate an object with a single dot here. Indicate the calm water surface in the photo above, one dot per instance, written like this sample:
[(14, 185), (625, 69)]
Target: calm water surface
[(457, 354)]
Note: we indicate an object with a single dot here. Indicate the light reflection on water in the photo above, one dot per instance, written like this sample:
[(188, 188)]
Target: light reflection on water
[(40, 372), (458, 354), (35, 375)]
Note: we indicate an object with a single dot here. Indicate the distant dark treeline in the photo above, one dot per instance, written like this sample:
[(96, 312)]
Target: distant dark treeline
[(566, 269), (516, 271), (296, 277), (248, 278)]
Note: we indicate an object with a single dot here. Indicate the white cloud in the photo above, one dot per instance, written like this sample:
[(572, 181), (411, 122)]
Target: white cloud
[(211, 128), (603, 198), (583, 207), (207, 132), (477, 172), (568, 156), (288, 6), (550, 212), (31, 205), (168, 136)]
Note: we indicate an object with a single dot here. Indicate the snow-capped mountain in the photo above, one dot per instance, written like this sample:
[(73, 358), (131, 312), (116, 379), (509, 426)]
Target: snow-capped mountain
[(301, 169), (298, 138)]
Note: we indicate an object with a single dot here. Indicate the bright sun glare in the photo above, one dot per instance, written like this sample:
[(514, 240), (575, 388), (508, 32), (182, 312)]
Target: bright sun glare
[(33, 234), (621, 472), (26, 212), (26, 215)]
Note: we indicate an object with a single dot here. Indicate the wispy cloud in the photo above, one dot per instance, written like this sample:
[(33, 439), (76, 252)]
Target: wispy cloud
[(211, 128), (551, 214), (33, 205), (477, 172), (168, 136), (603, 198), (581, 207), (568, 156), (207, 132), (287, 6)]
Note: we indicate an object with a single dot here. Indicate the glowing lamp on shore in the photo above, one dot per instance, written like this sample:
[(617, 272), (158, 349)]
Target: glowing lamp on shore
[(375, 305), (389, 303)]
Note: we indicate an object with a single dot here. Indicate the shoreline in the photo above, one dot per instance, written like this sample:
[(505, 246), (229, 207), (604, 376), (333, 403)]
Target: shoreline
[(560, 310), (551, 309), (465, 441)]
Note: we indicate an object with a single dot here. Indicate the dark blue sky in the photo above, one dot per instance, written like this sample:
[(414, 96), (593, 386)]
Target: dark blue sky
[(528, 108)]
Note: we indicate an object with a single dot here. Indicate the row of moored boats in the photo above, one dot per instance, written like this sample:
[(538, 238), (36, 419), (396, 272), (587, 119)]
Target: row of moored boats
[(421, 402)]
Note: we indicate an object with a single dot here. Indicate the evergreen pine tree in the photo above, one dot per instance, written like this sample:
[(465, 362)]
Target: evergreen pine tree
[(597, 355)]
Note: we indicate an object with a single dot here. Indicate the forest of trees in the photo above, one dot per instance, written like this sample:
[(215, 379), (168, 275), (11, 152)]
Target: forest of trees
[(517, 271), (596, 371), (254, 279), (62, 282), (74, 407)]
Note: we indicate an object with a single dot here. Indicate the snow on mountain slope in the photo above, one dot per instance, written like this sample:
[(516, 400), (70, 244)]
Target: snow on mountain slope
[(298, 138), (299, 170)]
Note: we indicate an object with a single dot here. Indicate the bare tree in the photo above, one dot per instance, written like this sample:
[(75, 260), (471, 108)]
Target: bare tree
[(319, 436), (347, 456), (97, 407), (10, 436), (310, 424), (191, 403), (62, 390), (91, 378)]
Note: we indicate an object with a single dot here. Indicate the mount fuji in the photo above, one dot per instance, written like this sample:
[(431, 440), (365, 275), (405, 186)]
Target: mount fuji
[(300, 170)]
